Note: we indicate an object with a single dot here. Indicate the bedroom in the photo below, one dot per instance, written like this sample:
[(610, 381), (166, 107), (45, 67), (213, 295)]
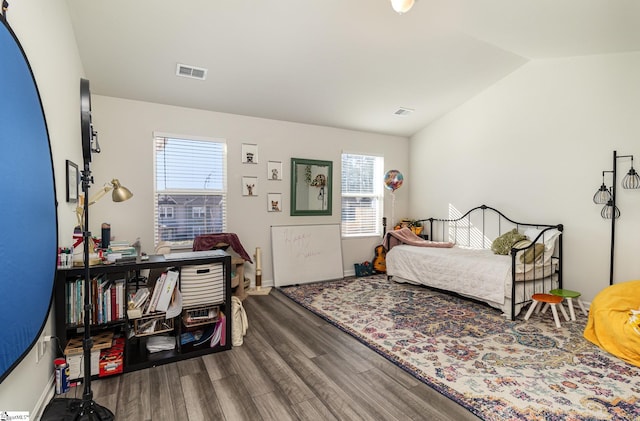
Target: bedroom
[(533, 143)]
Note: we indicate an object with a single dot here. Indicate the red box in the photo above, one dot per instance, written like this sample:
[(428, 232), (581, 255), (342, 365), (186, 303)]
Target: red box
[(111, 359)]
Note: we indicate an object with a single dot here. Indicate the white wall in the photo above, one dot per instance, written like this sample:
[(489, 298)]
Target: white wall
[(534, 145), (125, 130), (44, 30)]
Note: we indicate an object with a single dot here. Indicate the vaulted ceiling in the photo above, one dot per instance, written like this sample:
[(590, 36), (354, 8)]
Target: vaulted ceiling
[(341, 63)]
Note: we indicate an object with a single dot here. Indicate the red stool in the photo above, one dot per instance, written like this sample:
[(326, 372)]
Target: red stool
[(553, 301)]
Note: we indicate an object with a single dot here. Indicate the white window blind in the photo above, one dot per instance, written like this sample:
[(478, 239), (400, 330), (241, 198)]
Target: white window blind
[(362, 195), (190, 189)]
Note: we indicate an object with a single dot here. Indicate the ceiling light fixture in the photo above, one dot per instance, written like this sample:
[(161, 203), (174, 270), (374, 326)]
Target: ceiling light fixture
[(402, 6)]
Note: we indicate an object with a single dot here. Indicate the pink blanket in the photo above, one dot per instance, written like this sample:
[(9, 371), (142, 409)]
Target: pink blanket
[(406, 236)]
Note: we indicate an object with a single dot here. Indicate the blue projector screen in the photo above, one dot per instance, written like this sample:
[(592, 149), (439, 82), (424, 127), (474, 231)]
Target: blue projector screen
[(28, 221)]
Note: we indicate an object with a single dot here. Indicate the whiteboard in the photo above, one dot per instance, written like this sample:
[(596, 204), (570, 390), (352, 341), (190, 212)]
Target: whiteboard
[(306, 253)]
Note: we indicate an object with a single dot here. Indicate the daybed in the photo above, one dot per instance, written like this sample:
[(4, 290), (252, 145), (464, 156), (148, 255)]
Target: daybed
[(458, 257), (614, 321)]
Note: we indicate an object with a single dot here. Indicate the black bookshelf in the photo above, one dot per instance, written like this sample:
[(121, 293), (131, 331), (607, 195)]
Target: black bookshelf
[(136, 356)]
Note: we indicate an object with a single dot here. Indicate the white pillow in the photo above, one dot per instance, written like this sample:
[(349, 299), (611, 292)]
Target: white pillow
[(548, 238)]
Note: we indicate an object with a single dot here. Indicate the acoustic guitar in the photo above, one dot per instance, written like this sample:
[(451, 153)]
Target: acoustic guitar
[(380, 253)]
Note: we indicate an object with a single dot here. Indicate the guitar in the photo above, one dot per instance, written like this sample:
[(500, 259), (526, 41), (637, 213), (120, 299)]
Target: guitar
[(380, 253)]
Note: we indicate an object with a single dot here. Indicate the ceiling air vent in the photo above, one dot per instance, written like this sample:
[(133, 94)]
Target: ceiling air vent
[(193, 72), (403, 112)]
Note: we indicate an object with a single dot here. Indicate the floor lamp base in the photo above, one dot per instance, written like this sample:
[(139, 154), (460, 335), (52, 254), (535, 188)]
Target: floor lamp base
[(70, 409)]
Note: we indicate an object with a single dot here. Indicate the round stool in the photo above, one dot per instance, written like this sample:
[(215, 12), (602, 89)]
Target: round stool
[(552, 301), (569, 296)]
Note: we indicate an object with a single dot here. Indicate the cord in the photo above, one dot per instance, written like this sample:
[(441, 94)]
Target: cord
[(51, 338)]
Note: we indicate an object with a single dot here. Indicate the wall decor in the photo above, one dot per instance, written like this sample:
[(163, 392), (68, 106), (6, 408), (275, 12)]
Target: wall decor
[(274, 202), (249, 153), (72, 182), (249, 186), (311, 191), (274, 170)]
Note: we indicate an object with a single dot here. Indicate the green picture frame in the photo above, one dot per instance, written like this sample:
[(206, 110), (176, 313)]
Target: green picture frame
[(311, 187)]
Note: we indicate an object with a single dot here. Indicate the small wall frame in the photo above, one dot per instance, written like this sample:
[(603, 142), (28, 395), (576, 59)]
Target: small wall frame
[(274, 202), (249, 186), (72, 182), (249, 153), (274, 170)]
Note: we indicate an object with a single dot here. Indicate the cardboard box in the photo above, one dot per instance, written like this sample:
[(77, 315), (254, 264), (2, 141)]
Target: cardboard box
[(112, 359), (76, 365)]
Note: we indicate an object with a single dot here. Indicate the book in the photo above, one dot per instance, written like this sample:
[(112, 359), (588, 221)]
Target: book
[(168, 286), (120, 299), (156, 293), (114, 312), (94, 301), (140, 297)]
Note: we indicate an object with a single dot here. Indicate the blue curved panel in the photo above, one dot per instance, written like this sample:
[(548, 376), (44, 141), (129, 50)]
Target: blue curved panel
[(28, 220)]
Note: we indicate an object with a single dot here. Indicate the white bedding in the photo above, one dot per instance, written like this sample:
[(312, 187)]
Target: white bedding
[(475, 273)]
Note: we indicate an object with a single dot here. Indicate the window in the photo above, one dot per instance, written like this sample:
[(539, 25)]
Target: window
[(198, 212), (190, 188), (362, 195), (166, 211)]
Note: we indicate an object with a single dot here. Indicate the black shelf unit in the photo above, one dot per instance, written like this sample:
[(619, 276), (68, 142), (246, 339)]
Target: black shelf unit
[(136, 356)]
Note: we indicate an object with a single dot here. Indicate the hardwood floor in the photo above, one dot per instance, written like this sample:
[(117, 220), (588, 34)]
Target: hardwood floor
[(292, 366)]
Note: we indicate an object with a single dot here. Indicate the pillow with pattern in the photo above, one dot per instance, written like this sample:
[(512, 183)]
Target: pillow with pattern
[(527, 256), (503, 244)]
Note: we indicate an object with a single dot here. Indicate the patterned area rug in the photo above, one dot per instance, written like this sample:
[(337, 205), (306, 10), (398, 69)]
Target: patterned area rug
[(496, 368)]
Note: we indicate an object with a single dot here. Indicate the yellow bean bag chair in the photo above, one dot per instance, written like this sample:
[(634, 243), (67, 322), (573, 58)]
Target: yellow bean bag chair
[(614, 321)]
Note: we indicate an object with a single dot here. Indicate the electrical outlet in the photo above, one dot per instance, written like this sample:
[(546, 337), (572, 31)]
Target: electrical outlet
[(41, 346)]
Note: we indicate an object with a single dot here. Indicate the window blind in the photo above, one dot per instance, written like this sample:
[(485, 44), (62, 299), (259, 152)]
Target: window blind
[(362, 195), (190, 193)]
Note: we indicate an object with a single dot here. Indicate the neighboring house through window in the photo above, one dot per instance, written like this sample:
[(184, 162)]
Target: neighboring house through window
[(362, 195), (190, 197)]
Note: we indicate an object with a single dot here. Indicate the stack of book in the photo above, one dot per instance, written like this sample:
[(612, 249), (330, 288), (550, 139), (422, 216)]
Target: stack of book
[(122, 248), (107, 297), (137, 302)]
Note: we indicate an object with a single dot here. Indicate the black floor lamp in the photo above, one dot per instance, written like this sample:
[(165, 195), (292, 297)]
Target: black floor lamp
[(607, 197), (63, 409)]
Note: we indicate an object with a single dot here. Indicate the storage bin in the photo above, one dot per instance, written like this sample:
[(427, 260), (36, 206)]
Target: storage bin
[(150, 325), (363, 269), (200, 315), (202, 284)]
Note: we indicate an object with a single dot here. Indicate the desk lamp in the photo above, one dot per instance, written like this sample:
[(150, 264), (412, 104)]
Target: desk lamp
[(119, 193)]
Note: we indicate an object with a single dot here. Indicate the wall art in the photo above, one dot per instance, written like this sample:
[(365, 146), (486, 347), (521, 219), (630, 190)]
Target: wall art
[(274, 202), (249, 153), (72, 182), (274, 170), (249, 186)]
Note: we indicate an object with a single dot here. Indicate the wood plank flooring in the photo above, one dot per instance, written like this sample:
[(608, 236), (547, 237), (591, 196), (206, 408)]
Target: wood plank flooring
[(292, 366)]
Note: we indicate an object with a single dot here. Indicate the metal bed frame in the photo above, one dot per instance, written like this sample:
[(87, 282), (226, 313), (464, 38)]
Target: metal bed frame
[(471, 229)]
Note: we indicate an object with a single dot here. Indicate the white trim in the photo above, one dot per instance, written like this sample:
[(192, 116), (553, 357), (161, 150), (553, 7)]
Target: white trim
[(43, 400)]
